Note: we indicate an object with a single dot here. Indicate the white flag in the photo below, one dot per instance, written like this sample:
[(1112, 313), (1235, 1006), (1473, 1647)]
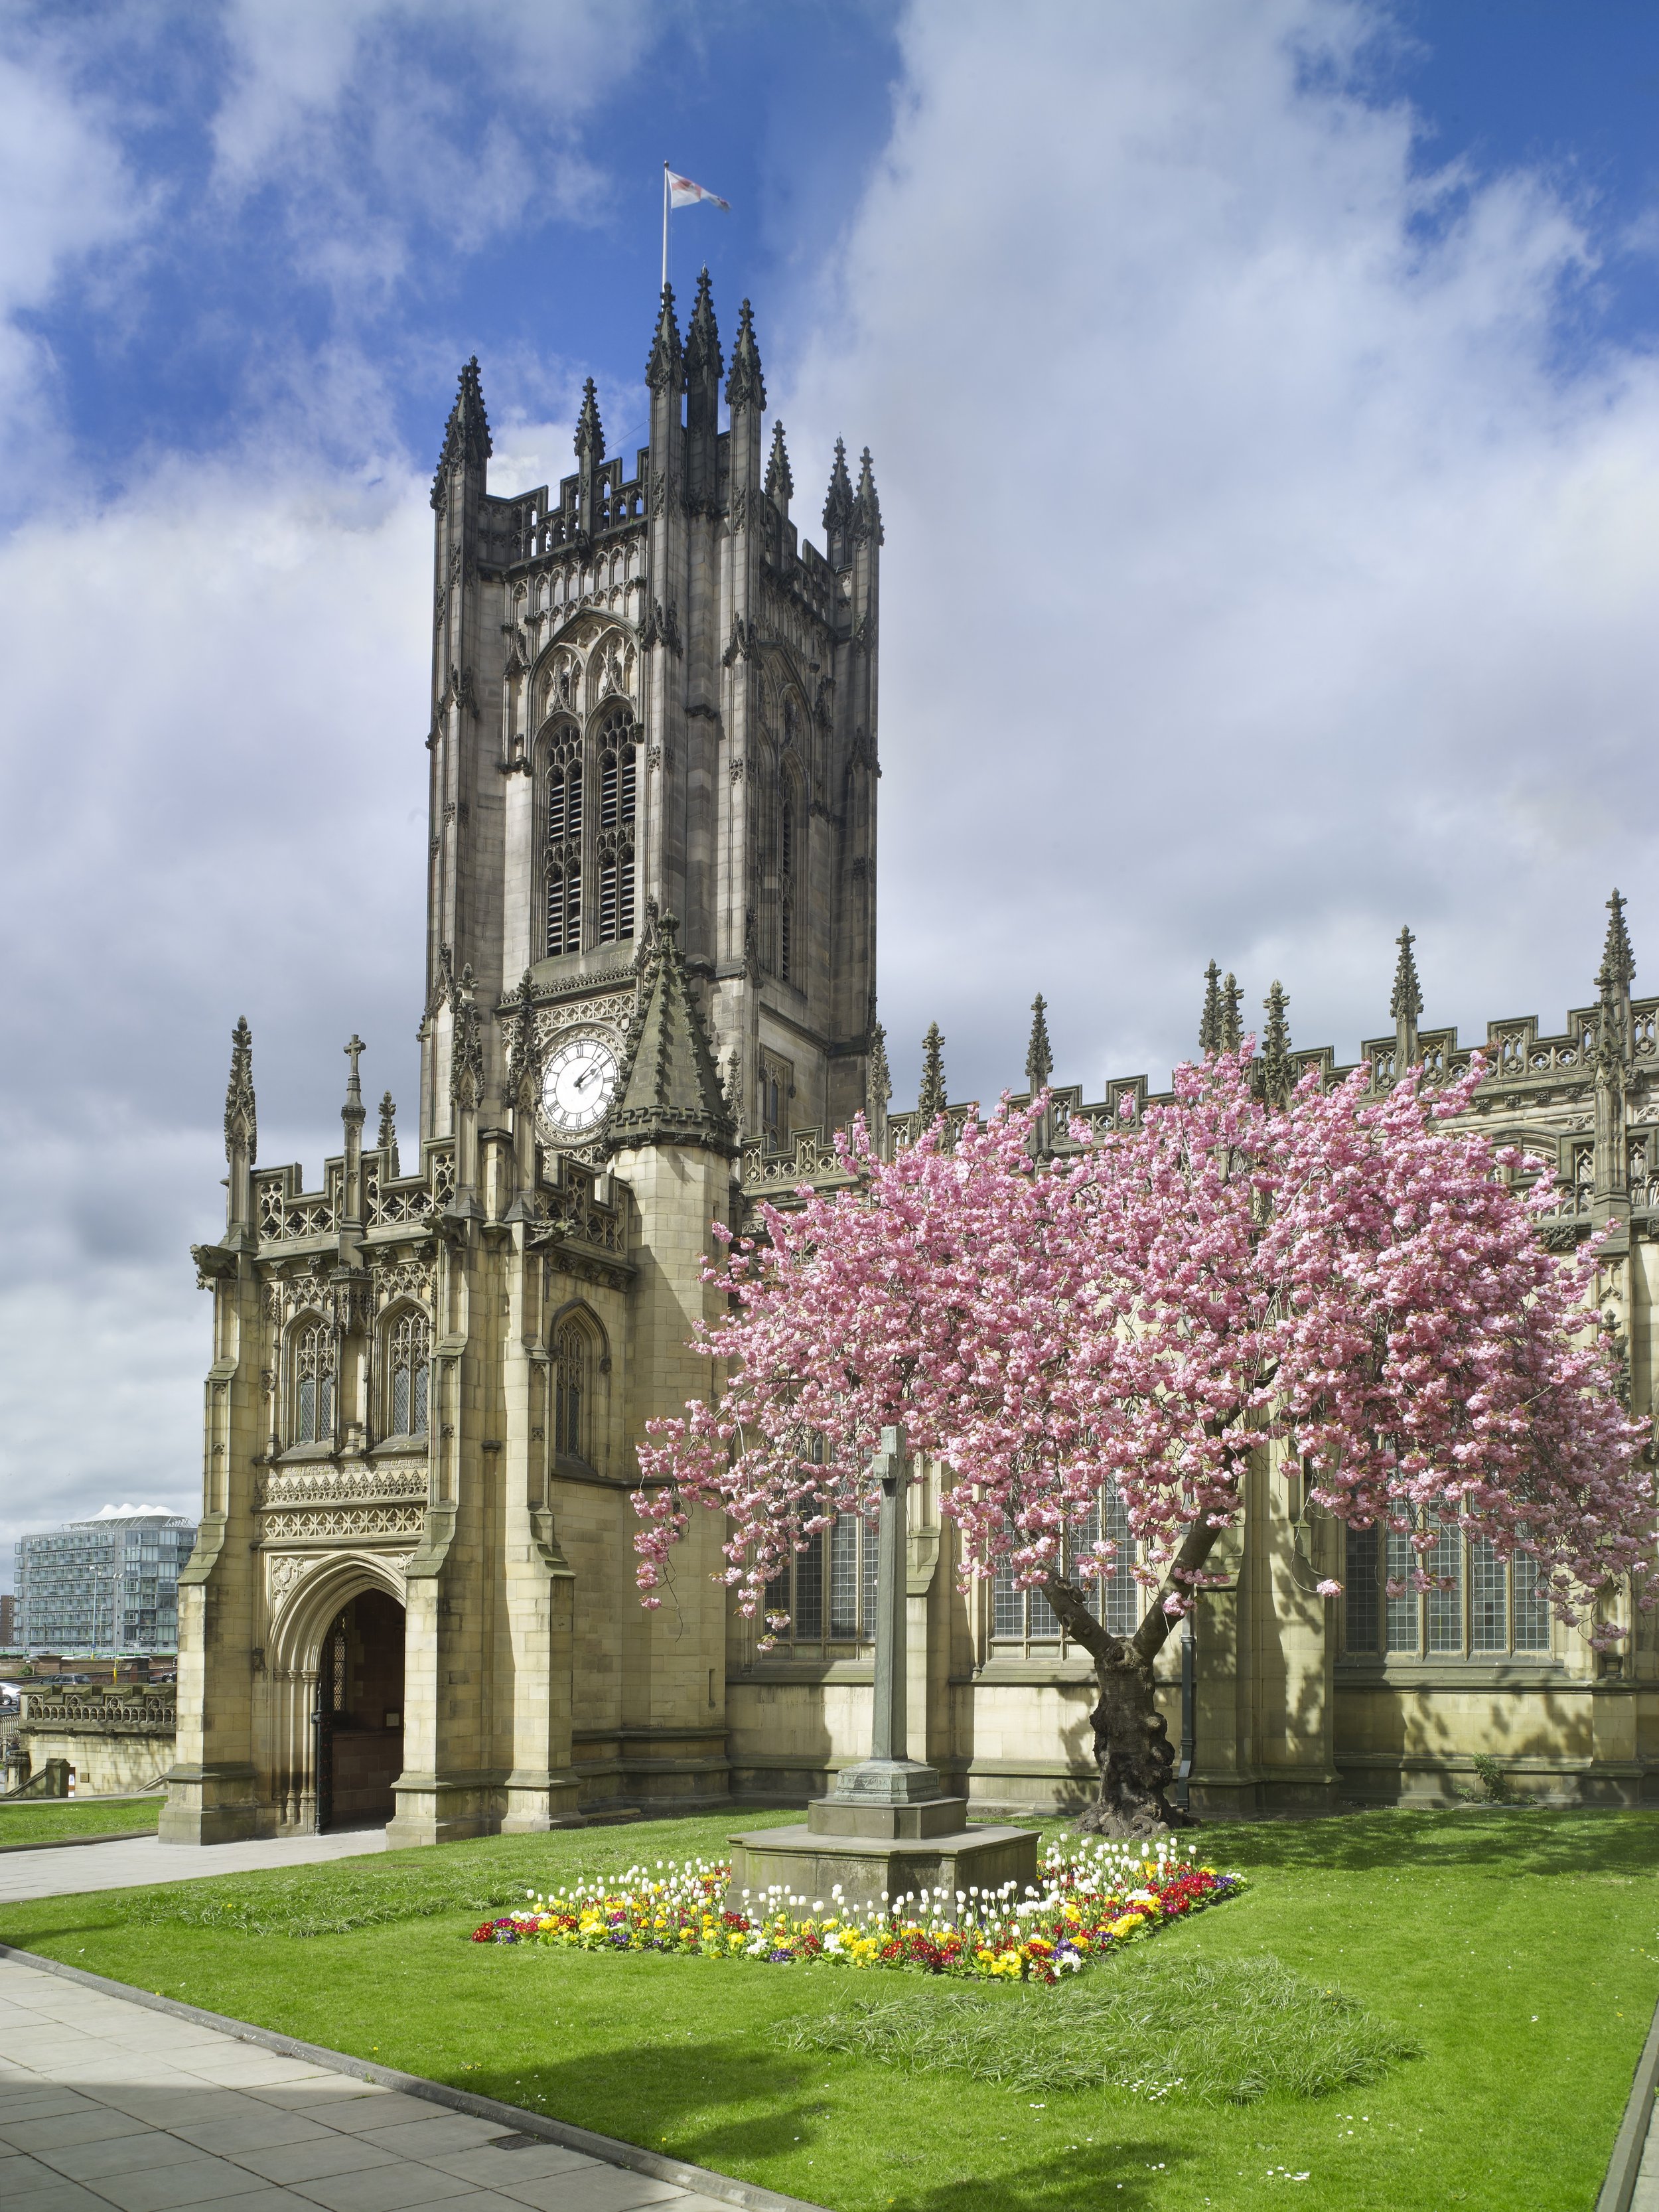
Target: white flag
[(682, 192)]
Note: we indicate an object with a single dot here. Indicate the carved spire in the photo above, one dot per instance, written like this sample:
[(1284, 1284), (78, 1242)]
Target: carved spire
[(1617, 960), (1211, 1022), (590, 431), (1039, 1058), (466, 433), (386, 1138), (665, 371), (1276, 1077), (930, 1101), (669, 1092), (867, 521), (745, 386), (523, 1060), (877, 1078), (1406, 1003), (241, 1120), (780, 484), (466, 1052), (703, 337), (1406, 1006), (1232, 1022), (838, 503)]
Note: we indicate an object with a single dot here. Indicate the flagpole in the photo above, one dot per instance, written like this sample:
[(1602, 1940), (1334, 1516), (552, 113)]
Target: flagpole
[(665, 226)]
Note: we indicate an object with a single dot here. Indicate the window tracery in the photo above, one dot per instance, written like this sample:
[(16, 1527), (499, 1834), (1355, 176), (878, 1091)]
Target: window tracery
[(312, 1353), (573, 1365), (409, 1372)]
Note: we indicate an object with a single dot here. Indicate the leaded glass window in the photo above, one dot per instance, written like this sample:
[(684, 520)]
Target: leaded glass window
[(1025, 1616), (408, 1354), (838, 1565), (313, 1355), (1489, 1606), (572, 1365)]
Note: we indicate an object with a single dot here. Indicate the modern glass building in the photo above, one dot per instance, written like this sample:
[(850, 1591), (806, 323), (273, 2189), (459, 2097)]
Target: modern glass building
[(105, 1586)]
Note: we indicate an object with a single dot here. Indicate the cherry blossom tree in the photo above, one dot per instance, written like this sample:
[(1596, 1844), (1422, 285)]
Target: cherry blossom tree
[(1340, 1286)]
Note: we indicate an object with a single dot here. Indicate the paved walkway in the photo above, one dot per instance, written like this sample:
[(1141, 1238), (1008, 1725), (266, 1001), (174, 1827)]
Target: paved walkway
[(1646, 2198), (57, 1873), (104, 2103)]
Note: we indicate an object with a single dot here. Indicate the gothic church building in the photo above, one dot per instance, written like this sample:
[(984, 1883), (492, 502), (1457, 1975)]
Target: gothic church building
[(650, 997)]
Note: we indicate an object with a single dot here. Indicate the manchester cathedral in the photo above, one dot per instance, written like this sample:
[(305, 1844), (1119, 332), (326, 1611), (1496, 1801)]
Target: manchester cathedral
[(650, 999)]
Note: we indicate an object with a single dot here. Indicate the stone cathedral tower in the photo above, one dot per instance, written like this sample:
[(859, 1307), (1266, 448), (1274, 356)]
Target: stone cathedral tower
[(650, 696), (650, 959)]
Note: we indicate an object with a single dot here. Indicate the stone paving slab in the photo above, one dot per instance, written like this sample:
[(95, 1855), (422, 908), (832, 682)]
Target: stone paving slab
[(111, 2099), (57, 1870)]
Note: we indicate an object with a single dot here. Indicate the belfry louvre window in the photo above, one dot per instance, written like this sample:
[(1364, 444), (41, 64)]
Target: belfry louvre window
[(564, 845), (408, 1352), (572, 1363), (1489, 1606), (1022, 1618), (829, 1590), (618, 754), (312, 1356)]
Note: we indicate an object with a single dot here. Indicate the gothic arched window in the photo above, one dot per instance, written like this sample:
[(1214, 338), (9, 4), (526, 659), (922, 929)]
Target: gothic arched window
[(573, 1364), (563, 827), (409, 1371), (617, 750), (312, 1353)]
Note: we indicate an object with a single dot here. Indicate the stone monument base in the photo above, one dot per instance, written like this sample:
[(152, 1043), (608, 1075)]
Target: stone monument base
[(875, 1851)]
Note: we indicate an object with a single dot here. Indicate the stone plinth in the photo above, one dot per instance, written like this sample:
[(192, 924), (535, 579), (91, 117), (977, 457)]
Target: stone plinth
[(810, 1860)]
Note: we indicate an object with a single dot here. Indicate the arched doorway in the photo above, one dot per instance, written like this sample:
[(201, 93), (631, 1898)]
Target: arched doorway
[(358, 1719)]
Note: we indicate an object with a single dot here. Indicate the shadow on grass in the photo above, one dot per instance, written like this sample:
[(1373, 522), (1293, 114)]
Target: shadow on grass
[(769, 2109), (1521, 1840)]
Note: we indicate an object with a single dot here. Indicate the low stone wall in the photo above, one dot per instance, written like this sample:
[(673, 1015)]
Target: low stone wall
[(115, 1739)]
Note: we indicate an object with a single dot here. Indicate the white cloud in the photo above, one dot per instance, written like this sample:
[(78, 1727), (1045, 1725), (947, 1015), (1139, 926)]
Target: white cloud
[(67, 195), (1254, 580), (365, 114), (217, 807)]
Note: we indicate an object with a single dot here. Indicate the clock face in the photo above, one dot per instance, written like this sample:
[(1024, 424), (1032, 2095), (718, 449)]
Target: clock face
[(578, 1083)]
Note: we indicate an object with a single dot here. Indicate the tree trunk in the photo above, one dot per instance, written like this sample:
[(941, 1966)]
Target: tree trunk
[(1132, 1745)]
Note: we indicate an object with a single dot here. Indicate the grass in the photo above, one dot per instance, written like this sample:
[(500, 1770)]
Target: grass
[(46, 1819), (1520, 1950), (1161, 2024)]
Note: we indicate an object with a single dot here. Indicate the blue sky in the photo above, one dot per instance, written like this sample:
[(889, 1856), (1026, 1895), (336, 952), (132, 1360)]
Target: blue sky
[(1265, 407), (242, 296)]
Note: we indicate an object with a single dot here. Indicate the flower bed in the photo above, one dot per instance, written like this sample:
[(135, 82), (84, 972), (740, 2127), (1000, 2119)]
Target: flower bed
[(1090, 1903)]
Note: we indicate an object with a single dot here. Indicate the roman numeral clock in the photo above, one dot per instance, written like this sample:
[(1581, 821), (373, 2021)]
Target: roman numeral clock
[(579, 1082)]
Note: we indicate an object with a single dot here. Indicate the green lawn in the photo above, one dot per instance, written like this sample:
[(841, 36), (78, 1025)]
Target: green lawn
[(1519, 1949), (43, 1820)]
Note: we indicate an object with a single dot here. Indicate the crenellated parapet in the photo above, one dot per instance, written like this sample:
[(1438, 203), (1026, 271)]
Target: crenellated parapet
[(1558, 1094)]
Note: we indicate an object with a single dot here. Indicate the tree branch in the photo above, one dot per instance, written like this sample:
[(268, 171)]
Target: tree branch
[(1196, 1547), (1070, 1604)]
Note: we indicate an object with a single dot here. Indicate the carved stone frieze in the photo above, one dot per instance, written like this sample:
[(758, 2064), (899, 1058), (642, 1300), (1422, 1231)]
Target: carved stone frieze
[(295, 1486), (613, 1010), (414, 1278), (307, 1526)]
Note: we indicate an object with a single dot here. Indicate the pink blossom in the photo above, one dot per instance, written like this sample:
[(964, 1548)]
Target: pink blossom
[(1345, 1278)]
